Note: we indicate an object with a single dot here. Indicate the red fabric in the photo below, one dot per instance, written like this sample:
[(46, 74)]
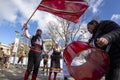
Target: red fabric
[(37, 51), (37, 44), (77, 0), (70, 10), (34, 76), (96, 62), (49, 77), (26, 75), (55, 75)]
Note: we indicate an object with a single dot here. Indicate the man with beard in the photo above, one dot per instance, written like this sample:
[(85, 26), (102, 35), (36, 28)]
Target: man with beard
[(35, 53)]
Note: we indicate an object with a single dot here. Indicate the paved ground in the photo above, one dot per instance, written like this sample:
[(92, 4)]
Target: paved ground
[(14, 73)]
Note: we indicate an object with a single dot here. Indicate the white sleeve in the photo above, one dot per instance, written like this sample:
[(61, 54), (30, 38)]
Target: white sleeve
[(28, 34)]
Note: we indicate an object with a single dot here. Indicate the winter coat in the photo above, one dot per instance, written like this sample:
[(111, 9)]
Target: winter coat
[(111, 31)]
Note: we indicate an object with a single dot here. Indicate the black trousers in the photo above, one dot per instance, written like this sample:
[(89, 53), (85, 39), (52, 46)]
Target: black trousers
[(113, 73), (34, 62), (20, 60)]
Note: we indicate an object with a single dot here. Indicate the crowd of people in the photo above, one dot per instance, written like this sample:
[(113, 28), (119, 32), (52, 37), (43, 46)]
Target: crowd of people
[(105, 36), (35, 56)]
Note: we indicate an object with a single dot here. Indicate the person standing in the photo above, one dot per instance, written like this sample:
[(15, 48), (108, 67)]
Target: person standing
[(55, 62), (21, 56), (106, 36), (35, 53), (1, 57), (45, 61), (6, 59)]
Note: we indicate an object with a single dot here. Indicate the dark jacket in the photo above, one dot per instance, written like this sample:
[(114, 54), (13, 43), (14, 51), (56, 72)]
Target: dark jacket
[(111, 31), (36, 47)]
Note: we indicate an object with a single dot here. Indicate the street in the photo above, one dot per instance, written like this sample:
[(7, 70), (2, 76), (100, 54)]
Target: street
[(14, 73)]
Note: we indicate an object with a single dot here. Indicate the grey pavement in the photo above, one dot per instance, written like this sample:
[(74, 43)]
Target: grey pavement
[(14, 73)]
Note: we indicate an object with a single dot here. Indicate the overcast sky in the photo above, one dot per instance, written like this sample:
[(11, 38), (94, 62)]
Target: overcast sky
[(14, 13)]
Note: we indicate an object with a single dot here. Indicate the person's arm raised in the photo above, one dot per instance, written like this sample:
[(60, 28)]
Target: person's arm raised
[(25, 29)]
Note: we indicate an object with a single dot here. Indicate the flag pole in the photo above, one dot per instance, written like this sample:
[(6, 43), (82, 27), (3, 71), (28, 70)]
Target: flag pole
[(29, 19), (32, 15)]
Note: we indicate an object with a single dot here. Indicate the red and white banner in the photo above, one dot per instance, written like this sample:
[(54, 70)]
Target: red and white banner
[(85, 62), (70, 10)]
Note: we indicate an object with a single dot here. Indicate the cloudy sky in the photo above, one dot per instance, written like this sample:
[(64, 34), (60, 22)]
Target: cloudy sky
[(14, 13)]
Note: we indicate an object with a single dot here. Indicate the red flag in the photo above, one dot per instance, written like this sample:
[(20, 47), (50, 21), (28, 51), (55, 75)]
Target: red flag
[(68, 9)]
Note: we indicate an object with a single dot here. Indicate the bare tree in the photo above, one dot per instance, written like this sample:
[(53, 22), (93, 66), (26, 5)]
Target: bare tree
[(64, 31)]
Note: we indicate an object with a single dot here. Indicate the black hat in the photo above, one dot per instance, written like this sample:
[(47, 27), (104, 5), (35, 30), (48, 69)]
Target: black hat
[(93, 21)]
